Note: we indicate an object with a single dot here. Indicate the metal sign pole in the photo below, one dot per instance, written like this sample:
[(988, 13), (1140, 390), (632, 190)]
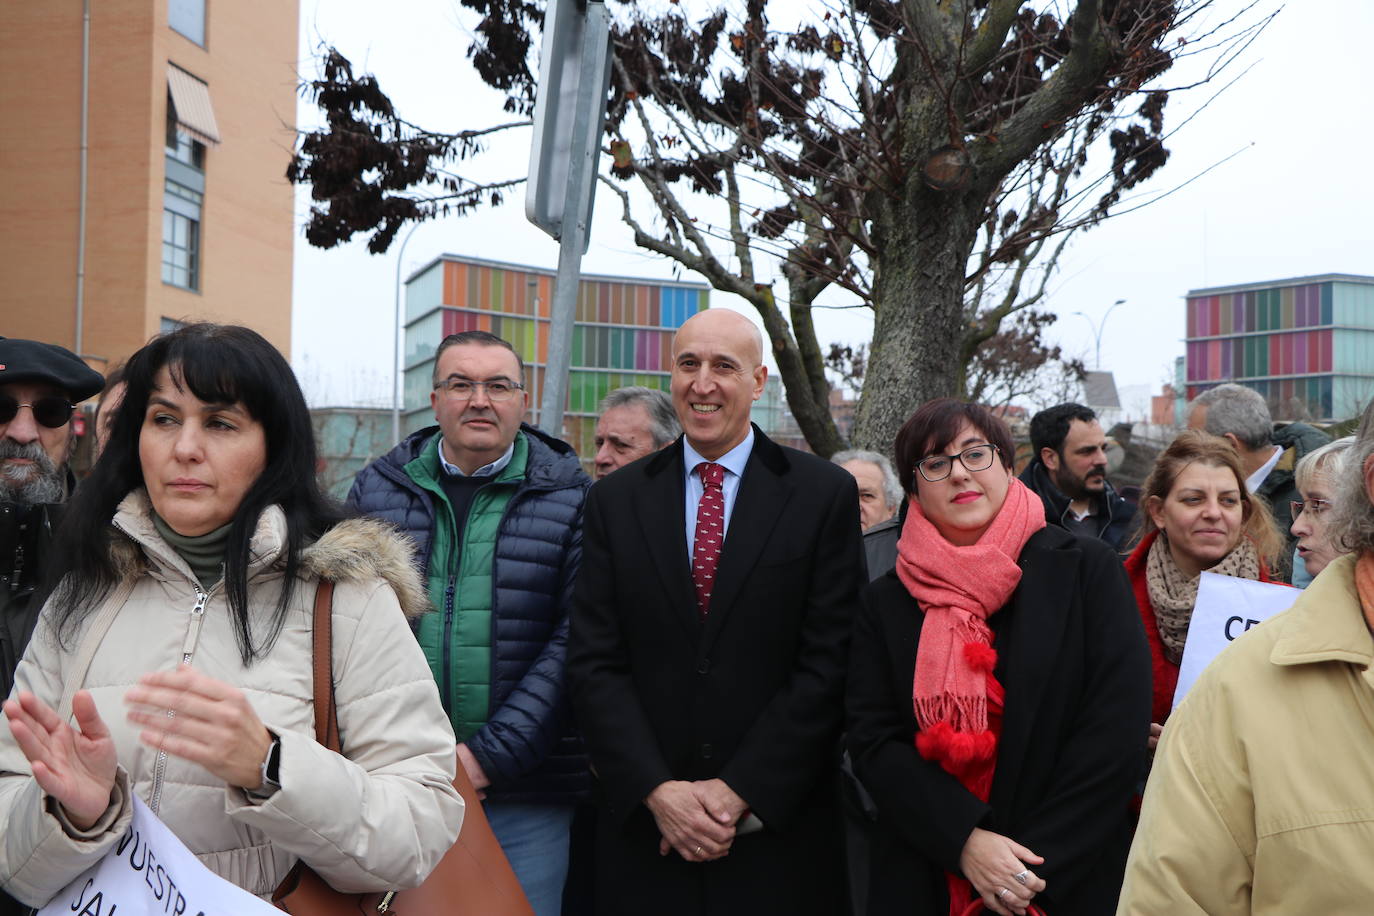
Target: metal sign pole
[(587, 122)]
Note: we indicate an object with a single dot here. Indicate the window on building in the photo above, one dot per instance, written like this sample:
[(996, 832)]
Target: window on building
[(182, 147), (169, 325), (179, 144), (188, 18), (182, 198), (190, 105), (180, 237)]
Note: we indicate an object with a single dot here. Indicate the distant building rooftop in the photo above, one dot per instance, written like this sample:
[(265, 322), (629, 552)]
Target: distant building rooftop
[(551, 272), (1270, 284)]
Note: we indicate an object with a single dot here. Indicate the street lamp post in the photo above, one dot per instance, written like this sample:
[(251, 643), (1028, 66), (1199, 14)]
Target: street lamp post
[(1097, 327), (396, 385)]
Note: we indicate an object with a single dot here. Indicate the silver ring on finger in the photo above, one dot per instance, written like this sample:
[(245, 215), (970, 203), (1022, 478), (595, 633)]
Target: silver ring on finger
[(1021, 876), (700, 850), (1002, 893)]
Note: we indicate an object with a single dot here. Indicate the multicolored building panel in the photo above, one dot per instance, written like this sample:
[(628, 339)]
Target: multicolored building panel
[(1306, 344), (622, 336)]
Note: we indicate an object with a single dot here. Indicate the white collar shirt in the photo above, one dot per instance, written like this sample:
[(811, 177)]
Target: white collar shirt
[(1253, 482)]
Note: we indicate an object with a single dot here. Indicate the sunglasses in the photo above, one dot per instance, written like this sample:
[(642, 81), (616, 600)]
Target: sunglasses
[(51, 411)]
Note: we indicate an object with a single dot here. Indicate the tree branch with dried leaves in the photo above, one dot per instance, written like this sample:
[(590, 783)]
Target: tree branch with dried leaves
[(929, 159)]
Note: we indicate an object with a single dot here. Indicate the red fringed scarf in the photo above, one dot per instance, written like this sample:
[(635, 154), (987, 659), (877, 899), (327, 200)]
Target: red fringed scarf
[(953, 691)]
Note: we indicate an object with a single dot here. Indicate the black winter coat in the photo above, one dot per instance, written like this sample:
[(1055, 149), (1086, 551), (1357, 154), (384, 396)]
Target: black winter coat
[(25, 538), (1073, 659), (1114, 523), (528, 746), (750, 695)]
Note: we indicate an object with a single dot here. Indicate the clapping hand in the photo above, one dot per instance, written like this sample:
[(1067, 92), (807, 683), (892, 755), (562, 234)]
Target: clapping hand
[(197, 718), (75, 766)]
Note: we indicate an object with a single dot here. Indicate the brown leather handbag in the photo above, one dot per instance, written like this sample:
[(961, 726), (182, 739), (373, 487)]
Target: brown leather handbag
[(473, 877)]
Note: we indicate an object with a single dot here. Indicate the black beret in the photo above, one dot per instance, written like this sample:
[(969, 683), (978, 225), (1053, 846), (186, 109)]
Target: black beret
[(35, 361)]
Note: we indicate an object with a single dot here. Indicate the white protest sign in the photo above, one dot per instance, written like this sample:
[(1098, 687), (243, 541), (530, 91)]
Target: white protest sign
[(149, 871), (1226, 607)]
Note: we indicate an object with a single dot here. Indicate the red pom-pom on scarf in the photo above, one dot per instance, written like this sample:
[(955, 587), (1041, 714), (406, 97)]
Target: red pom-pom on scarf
[(944, 745), (980, 657), (933, 742), (984, 745)]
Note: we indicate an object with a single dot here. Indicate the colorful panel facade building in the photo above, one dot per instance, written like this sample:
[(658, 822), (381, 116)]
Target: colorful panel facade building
[(1306, 344), (622, 336)]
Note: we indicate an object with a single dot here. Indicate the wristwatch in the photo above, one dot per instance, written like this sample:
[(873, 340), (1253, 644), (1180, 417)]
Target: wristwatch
[(271, 769)]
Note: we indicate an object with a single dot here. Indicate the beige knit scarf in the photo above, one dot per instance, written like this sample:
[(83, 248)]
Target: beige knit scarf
[(1173, 594)]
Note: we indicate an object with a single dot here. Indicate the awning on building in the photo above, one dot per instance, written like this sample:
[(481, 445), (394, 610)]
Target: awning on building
[(191, 105)]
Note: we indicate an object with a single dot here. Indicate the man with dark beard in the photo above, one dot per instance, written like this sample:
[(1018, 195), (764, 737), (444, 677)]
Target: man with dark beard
[(1069, 473), (39, 385)]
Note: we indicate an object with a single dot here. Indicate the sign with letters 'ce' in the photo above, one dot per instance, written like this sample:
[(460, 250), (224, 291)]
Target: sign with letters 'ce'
[(149, 871), (1226, 607)]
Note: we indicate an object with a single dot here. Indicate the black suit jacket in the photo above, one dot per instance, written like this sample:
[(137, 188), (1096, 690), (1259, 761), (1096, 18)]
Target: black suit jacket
[(752, 694), (1073, 659)]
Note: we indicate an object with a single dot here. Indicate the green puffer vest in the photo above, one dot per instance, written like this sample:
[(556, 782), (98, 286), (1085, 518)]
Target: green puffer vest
[(457, 641)]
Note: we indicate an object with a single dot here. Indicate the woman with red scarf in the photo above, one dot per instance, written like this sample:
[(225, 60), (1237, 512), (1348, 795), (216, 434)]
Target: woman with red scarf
[(999, 689)]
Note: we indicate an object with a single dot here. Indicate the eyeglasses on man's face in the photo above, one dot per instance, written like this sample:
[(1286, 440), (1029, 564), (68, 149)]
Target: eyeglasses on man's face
[(974, 458), (1313, 506), (51, 411), (462, 389)]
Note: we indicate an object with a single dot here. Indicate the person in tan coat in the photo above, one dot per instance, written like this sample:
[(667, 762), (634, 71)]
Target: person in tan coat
[(179, 641), (1262, 796)]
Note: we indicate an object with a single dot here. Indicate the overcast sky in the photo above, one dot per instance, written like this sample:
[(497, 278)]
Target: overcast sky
[(1293, 200)]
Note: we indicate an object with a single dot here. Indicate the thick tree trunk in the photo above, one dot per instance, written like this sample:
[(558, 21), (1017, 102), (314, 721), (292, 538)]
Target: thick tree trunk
[(924, 240)]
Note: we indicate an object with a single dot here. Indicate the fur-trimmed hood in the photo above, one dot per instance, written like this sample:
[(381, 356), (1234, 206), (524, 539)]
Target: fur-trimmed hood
[(364, 548), (354, 550)]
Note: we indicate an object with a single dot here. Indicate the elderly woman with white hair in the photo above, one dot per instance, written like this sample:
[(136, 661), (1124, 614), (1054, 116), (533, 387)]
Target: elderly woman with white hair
[(1316, 476), (1262, 794)]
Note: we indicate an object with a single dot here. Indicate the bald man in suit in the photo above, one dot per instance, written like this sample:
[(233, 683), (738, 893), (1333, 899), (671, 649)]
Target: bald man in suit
[(706, 662)]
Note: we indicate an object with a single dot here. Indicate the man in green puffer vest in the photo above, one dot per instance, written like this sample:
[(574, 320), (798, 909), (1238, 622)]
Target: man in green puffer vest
[(495, 508)]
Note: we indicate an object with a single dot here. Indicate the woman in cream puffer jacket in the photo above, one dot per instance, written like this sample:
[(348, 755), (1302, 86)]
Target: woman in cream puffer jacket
[(377, 817)]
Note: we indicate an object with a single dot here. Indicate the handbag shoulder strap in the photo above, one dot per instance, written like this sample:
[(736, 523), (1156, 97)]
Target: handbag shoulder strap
[(75, 675), (322, 666)]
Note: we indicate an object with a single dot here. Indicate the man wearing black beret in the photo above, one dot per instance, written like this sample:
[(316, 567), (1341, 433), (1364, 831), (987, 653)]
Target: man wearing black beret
[(40, 384)]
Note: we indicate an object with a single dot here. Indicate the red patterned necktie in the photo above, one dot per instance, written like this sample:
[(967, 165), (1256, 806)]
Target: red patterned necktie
[(710, 532)]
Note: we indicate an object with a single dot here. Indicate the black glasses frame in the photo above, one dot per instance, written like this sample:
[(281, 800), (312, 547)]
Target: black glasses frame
[(52, 411), (992, 457)]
